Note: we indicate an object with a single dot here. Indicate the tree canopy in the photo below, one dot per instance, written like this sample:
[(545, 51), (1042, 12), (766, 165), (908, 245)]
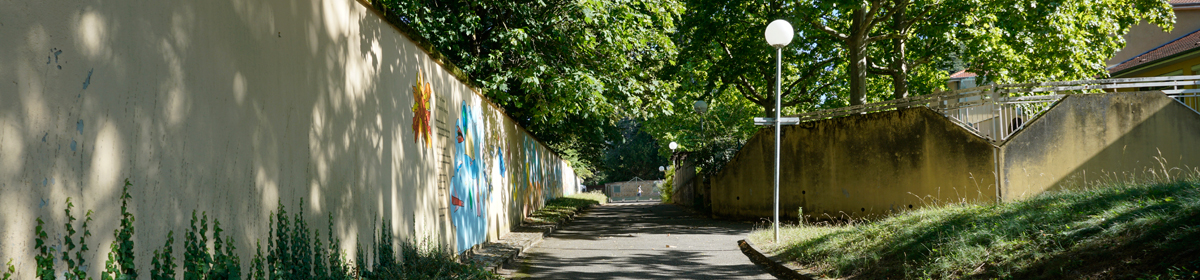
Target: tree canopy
[(564, 69), (569, 70)]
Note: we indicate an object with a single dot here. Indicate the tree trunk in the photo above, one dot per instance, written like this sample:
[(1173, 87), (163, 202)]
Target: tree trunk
[(769, 106), (856, 46), (900, 61)]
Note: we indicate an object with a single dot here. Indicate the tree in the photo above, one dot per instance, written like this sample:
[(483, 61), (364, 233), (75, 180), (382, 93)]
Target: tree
[(722, 47), (712, 139), (1008, 40), (920, 30), (554, 64), (1036, 41), (634, 155), (855, 21)]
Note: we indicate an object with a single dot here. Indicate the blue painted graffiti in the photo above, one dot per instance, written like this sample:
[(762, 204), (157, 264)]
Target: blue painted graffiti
[(469, 191), (88, 80)]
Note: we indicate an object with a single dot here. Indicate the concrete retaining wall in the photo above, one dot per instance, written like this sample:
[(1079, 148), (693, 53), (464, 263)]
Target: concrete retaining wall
[(621, 191), (858, 165), (1108, 137), (231, 107), (878, 163)]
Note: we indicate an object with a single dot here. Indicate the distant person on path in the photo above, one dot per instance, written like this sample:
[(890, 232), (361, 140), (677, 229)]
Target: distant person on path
[(639, 193)]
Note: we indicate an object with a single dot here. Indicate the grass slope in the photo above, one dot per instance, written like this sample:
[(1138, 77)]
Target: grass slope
[(1148, 230), (560, 208)]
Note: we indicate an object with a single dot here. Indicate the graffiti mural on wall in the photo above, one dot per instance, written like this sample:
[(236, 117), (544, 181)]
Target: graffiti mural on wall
[(422, 98), (469, 189)]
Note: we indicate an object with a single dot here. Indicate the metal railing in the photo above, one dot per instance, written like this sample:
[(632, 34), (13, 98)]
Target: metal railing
[(996, 112)]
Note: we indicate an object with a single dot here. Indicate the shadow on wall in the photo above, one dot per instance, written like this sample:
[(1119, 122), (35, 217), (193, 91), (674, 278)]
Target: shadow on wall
[(232, 107), (1087, 139)]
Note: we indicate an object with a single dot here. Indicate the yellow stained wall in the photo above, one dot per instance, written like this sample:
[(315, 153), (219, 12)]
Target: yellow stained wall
[(1085, 139), (231, 107), (881, 162), (859, 165)]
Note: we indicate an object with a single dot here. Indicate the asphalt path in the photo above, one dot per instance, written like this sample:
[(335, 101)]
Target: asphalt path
[(646, 240)]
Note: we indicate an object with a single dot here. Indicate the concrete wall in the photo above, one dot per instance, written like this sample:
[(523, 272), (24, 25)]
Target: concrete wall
[(683, 182), (231, 107), (858, 165), (881, 162), (1087, 138), (629, 190)]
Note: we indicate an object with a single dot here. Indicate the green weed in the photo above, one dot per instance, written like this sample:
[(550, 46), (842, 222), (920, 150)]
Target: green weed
[(293, 252), (9, 273)]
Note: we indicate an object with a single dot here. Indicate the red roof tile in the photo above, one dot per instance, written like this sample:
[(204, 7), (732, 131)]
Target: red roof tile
[(964, 74), (1188, 42)]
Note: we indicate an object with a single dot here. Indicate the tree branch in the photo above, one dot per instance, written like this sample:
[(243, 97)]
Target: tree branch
[(877, 5), (828, 30), (748, 88), (887, 37), (812, 71), (879, 70)]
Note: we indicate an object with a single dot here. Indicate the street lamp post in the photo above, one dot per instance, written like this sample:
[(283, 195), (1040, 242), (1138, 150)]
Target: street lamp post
[(701, 107), (779, 33), (673, 146)]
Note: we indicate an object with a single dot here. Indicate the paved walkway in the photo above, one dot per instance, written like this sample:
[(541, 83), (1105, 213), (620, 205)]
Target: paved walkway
[(646, 240)]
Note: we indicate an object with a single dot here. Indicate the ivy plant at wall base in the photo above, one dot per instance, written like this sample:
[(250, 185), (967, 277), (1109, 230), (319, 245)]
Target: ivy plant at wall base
[(293, 252)]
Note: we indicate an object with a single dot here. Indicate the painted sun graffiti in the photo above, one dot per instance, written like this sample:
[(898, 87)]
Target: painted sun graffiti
[(422, 100)]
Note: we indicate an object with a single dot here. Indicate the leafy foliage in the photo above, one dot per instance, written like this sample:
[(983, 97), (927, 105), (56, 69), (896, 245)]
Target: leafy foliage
[(711, 139), (200, 263), (1039, 41), (120, 265), (722, 48), (75, 266), (8, 273), (635, 154), (45, 257), (853, 52), (564, 69), (668, 186), (163, 263), (292, 253)]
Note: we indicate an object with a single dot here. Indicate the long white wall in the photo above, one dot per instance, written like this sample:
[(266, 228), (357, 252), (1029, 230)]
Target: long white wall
[(234, 106)]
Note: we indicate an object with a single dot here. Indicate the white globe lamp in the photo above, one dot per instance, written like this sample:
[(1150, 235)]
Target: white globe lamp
[(779, 33)]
